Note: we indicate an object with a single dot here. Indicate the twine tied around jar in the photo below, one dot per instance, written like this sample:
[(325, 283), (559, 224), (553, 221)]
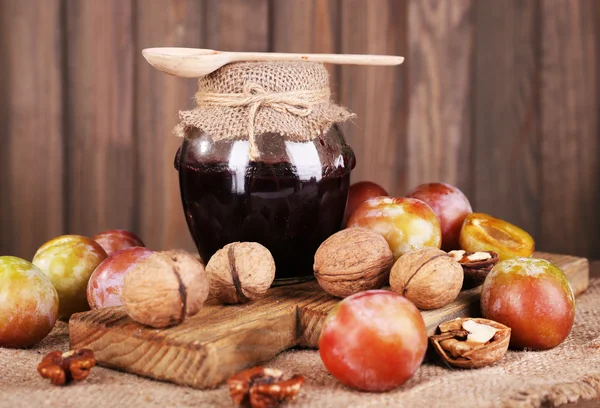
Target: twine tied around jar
[(245, 100), (254, 97)]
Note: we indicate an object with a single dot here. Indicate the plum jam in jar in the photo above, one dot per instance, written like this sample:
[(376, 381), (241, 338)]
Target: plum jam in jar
[(263, 160), (290, 200)]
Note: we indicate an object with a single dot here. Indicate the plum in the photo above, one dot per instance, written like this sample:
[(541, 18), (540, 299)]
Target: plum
[(451, 207), (405, 223), (361, 192), (373, 340), (115, 240), (69, 261), (532, 297), (28, 303), (106, 283), (482, 232)]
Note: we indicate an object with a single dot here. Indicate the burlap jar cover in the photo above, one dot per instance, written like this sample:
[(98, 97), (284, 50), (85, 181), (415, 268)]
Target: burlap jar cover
[(244, 100)]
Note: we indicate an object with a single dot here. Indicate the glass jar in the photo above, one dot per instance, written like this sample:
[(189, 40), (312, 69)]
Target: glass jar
[(289, 200)]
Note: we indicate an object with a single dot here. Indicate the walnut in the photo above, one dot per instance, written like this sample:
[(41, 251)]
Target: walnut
[(61, 368), (353, 260), (165, 288), (476, 265), (471, 343), (240, 272), (261, 387), (428, 277)]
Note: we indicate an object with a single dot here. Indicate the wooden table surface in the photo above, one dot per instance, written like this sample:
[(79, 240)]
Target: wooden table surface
[(222, 340)]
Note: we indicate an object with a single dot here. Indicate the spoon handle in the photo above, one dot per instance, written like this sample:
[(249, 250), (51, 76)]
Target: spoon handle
[(352, 59), (196, 62)]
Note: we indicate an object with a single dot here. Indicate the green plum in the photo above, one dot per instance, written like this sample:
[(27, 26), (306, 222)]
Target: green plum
[(28, 303), (69, 261)]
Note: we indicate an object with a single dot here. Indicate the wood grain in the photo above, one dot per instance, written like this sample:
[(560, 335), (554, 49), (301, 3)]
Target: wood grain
[(570, 221), (237, 25), (439, 62), (220, 340), (101, 152), (377, 94), (31, 126), (307, 26), (499, 97), (159, 98), (506, 112)]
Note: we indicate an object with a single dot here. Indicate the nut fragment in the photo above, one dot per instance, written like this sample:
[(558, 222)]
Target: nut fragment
[(61, 368), (471, 343), (240, 272), (353, 260), (428, 277), (261, 387), (476, 265), (165, 288), (478, 332)]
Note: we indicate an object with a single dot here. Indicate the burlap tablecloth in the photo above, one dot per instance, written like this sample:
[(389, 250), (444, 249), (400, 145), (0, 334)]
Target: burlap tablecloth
[(522, 379)]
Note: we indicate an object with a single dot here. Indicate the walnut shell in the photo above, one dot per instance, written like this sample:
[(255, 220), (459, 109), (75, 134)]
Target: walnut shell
[(476, 265), (428, 277), (240, 272), (455, 348), (353, 260), (165, 288)]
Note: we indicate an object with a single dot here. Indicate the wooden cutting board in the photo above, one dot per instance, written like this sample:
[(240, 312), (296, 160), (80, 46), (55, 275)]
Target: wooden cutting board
[(219, 341)]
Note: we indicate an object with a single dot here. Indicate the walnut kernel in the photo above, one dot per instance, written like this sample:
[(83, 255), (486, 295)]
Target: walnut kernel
[(261, 387), (61, 368)]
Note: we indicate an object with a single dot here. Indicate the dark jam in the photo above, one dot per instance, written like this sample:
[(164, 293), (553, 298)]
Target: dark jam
[(271, 204)]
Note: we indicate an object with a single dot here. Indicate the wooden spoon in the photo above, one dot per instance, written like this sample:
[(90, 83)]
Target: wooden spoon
[(196, 62)]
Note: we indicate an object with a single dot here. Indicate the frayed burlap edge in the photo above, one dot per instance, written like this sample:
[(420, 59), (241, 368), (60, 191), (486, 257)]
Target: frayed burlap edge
[(267, 120)]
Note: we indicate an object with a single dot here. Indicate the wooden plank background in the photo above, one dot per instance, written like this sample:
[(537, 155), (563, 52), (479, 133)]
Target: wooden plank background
[(498, 97)]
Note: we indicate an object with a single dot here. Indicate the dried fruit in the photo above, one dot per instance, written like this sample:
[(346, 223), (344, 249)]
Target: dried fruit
[(476, 265), (240, 272), (482, 232), (165, 288), (471, 343), (261, 387), (428, 277), (61, 368), (353, 260)]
